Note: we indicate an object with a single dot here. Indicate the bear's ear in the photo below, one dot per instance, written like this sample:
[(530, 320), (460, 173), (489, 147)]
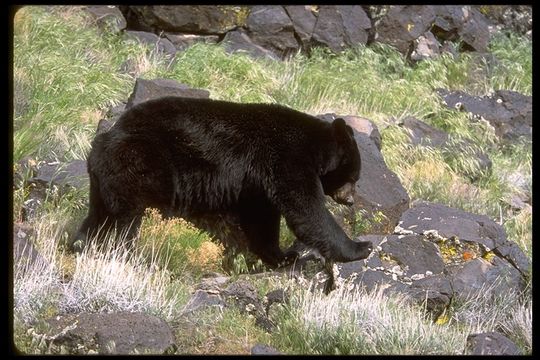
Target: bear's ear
[(341, 127)]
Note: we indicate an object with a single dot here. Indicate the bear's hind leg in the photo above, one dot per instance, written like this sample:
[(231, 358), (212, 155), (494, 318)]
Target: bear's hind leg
[(260, 223)]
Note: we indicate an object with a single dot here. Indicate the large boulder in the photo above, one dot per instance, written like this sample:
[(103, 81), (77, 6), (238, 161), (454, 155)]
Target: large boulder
[(72, 174), (270, 27), (152, 89), (112, 334), (402, 24), (465, 23), (339, 27), (509, 112), (303, 20), (190, 19), (490, 343)]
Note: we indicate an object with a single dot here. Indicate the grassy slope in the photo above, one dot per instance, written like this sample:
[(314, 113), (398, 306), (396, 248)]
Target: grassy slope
[(67, 73)]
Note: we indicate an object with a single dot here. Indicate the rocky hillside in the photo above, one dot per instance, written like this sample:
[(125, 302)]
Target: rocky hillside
[(445, 192)]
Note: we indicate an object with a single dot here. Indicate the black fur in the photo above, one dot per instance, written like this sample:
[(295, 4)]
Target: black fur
[(197, 157)]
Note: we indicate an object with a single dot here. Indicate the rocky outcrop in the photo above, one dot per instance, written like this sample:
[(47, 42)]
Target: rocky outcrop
[(418, 31), (437, 254), (110, 334), (491, 343), (508, 112)]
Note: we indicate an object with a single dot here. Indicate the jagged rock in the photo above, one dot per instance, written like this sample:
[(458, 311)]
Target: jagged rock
[(202, 299), (190, 19), (338, 27), (113, 333), (509, 112), (446, 222), (490, 343), (72, 174), (434, 292), (183, 41), (152, 89), (303, 21), (109, 17), (421, 133), (404, 23), (270, 27), (239, 41), (414, 254), (425, 47), (482, 276), (465, 23), (162, 45), (379, 189), (260, 349)]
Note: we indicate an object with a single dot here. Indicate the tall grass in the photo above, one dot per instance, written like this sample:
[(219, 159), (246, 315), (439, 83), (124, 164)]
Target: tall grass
[(352, 321)]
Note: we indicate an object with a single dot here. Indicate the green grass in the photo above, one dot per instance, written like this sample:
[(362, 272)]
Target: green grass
[(67, 73)]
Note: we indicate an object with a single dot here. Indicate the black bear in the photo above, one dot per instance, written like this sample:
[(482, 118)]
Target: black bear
[(195, 158)]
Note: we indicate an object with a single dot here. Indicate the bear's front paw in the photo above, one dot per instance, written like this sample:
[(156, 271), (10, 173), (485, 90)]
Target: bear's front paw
[(364, 249)]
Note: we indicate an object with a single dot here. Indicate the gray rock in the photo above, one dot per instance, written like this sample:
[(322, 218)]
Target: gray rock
[(303, 21), (109, 17), (356, 24), (415, 255), (425, 47), (373, 279), (202, 299), (260, 349), (72, 174), (162, 45), (114, 333), (339, 27), (379, 189), (490, 343), (190, 19), (449, 222), (239, 41), (482, 276), (270, 27), (515, 18), (152, 89), (509, 112), (434, 292), (402, 24), (465, 23)]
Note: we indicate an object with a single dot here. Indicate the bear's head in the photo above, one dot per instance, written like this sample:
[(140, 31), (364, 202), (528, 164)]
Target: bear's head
[(343, 169)]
